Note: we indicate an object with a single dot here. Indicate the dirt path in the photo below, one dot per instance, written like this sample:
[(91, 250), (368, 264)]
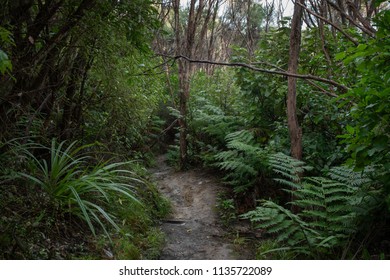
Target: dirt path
[(192, 231)]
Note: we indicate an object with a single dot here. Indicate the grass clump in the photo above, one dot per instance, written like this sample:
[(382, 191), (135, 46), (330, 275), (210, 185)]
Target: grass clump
[(60, 202)]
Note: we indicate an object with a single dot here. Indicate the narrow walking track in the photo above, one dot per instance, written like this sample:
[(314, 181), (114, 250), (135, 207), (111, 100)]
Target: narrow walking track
[(192, 231)]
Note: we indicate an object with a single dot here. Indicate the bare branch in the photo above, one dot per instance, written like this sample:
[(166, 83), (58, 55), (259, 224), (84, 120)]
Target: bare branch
[(331, 94), (331, 23), (351, 20), (343, 88)]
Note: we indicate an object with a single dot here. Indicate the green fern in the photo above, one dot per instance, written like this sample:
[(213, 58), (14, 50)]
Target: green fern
[(242, 136), (327, 217), (242, 161), (212, 121), (348, 176), (287, 166), (289, 228)]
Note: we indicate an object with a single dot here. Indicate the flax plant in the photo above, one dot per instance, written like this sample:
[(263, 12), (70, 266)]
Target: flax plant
[(79, 189)]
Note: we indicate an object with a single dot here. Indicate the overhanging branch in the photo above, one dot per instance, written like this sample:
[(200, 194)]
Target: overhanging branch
[(343, 88)]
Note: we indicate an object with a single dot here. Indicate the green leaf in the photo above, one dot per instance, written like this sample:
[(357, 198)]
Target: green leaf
[(350, 129)]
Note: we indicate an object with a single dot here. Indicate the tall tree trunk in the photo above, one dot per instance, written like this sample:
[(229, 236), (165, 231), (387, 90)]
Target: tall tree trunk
[(186, 48), (295, 130), (182, 84)]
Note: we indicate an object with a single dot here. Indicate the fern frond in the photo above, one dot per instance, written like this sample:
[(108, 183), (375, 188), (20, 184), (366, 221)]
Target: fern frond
[(287, 233), (243, 147), (293, 185), (338, 188), (320, 224), (276, 219), (348, 176), (243, 136), (315, 214), (309, 190), (226, 155), (327, 217), (339, 198), (282, 226), (240, 167), (308, 203), (287, 166), (242, 160)]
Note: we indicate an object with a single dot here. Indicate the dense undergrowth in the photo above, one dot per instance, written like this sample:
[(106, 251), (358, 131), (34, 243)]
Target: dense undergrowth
[(63, 202), (81, 72), (78, 81)]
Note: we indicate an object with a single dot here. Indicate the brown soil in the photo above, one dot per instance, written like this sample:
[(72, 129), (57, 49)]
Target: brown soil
[(193, 231)]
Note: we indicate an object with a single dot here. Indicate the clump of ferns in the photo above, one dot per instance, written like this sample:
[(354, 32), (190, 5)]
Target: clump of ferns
[(328, 212), (243, 160)]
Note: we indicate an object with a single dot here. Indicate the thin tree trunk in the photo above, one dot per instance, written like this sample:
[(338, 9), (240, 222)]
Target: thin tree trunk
[(185, 69), (184, 88), (295, 130)]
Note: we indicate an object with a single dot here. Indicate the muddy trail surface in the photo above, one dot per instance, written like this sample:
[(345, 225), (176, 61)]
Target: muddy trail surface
[(193, 231)]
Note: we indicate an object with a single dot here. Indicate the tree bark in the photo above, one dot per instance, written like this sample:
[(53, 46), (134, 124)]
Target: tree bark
[(185, 68), (295, 130)]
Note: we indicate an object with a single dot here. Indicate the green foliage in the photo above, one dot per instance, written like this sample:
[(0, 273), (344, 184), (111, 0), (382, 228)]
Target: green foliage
[(5, 62), (42, 217), (288, 167), (243, 161), (211, 125), (265, 111), (269, 249), (102, 84), (347, 176), (141, 238), (368, 137), (214, 111), (263, 96), (327, 216), (321, 120), (227, 209), (77, 190), (124, 120)]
